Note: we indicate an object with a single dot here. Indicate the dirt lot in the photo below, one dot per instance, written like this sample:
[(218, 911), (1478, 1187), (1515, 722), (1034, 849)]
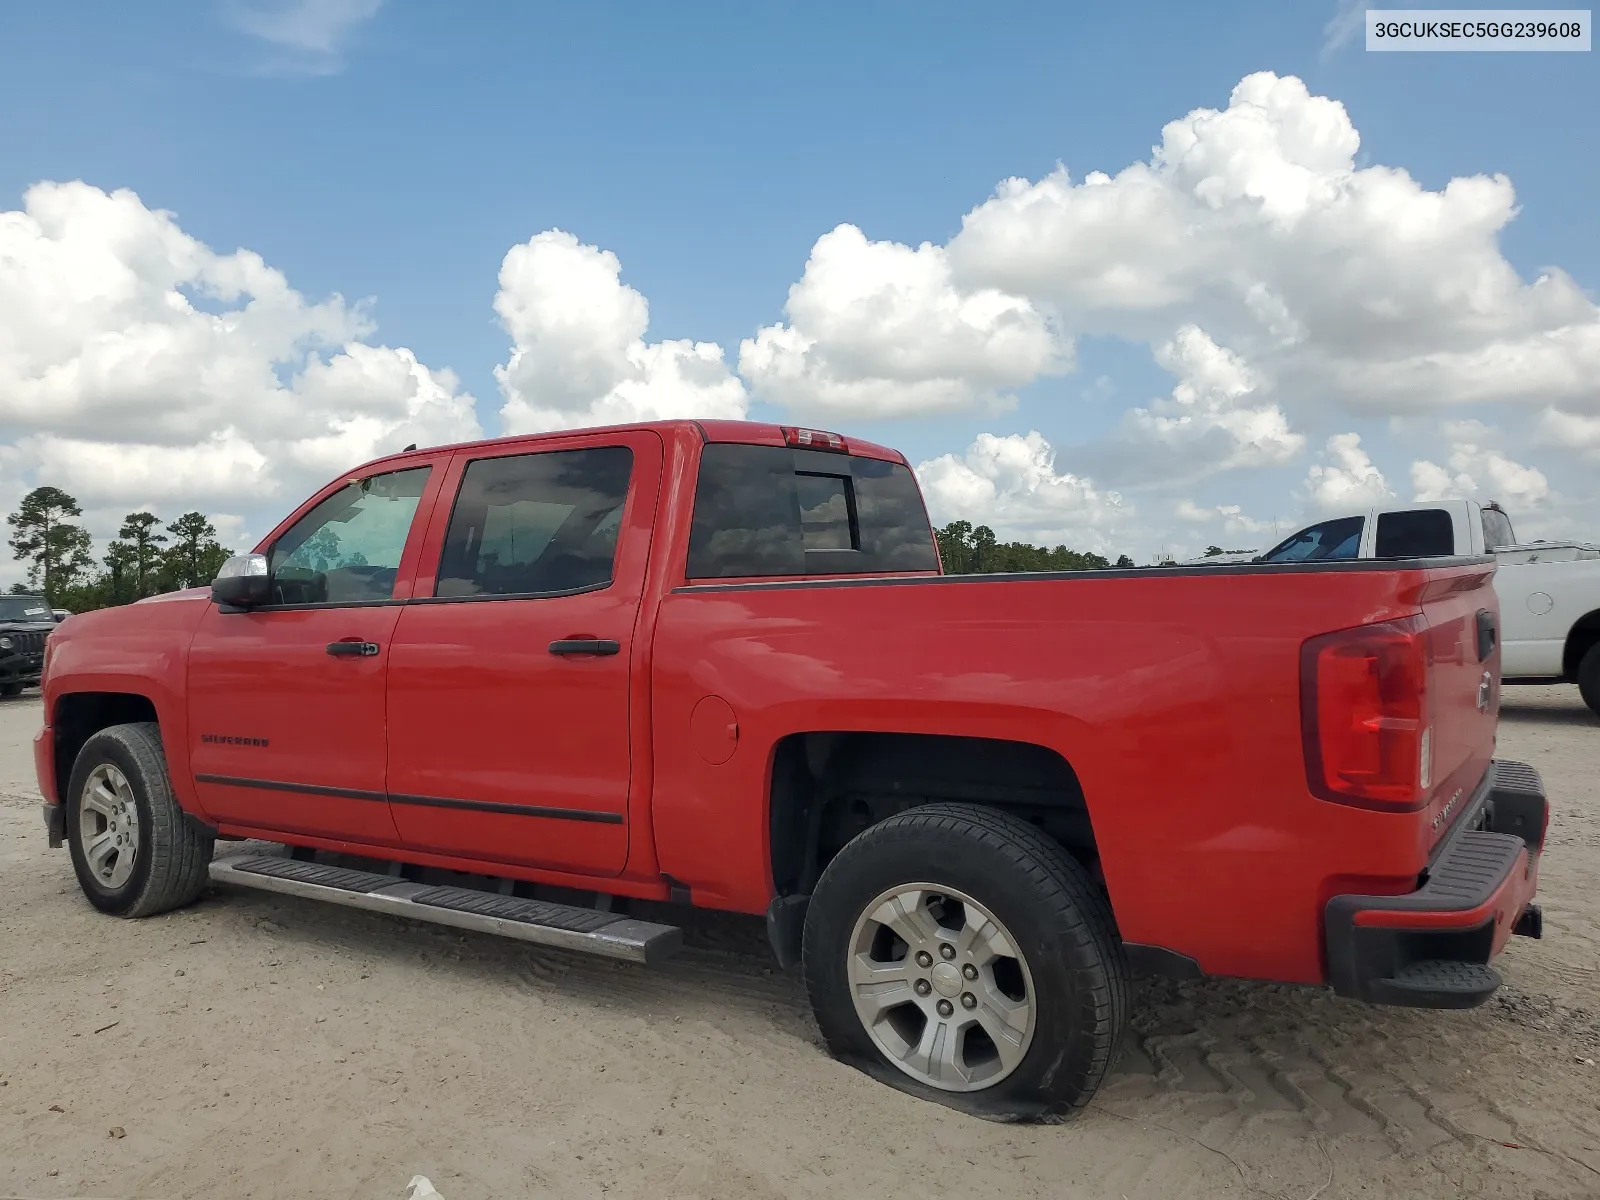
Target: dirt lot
[(261, 1046)]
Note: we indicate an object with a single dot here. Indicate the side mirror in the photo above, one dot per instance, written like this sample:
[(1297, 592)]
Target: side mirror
[(243, 582)]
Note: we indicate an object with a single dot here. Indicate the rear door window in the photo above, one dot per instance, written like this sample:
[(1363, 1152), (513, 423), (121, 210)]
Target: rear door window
[(1415, 533), (536, 524), (771, 510)]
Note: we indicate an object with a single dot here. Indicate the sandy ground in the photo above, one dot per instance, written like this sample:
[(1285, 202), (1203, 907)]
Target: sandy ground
[(262, 1046)]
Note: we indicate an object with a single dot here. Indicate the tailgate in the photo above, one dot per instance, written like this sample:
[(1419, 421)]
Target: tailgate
[(1463, 621)]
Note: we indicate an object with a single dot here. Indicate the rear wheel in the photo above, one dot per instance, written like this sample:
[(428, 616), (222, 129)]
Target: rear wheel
[(10, 689), (1589, 679), (957, 953), (134, 853)]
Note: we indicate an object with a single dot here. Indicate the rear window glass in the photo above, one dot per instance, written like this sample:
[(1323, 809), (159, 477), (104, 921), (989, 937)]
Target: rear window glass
[(770, 510), (1420, 533)]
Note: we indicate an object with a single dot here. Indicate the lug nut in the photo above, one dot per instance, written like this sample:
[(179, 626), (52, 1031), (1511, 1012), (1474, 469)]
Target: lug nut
[(922, 987), (970, 971), (947, 950), (968, 1000), (924, 959), (945, 1008)]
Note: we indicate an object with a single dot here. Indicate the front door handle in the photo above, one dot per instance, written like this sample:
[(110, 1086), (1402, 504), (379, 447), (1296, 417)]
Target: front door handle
[(585, 646), (353, 648)]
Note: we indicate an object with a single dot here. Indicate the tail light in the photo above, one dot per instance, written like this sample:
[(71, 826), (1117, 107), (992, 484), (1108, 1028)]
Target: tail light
[(1364, 715)]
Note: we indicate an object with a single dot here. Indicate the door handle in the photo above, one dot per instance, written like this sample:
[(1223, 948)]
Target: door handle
[(353, 648), (585, 646)]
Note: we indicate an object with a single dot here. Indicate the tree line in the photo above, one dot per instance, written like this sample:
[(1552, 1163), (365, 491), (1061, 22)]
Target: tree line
[(147, 557), (965, 550)]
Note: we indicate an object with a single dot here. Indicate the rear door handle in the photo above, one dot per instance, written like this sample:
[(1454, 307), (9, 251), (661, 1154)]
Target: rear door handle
[(353, 649), (585, 646)]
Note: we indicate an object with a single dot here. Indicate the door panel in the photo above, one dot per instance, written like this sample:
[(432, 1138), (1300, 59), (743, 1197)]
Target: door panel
[(499, 746), (302, 731), (286, 734)]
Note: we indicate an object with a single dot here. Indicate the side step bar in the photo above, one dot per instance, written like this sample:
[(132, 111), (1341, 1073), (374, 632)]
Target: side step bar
[(610, 935)]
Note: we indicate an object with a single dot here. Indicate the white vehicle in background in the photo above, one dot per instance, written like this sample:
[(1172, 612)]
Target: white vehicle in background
[(1549, 591)]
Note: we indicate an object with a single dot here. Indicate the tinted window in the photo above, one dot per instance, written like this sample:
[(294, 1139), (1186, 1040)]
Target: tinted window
[(1421, 533), (534, 524), (1497, 533), (769, 510), (347, 549), (1331, 541)]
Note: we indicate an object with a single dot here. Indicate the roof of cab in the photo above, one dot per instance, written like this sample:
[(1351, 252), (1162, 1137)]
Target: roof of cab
[(755, 433)]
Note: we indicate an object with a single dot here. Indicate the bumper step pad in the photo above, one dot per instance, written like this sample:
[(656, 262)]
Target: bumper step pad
[(610, 935), (1438, 983)]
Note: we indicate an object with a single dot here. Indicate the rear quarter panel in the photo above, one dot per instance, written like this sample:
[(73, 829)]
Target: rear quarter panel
[(1173, 694)]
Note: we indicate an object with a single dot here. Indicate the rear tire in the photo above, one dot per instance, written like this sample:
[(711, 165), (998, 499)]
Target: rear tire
[(10, 689), (134, 853), (1015, 939), (1589, 679)]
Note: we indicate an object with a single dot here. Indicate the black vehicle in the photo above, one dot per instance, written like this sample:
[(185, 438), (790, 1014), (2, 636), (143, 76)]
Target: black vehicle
[(25, 621)]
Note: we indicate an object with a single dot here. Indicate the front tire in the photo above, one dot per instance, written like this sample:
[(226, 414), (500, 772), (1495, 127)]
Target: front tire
[(957, 953), (1589, 679), (134, 853)]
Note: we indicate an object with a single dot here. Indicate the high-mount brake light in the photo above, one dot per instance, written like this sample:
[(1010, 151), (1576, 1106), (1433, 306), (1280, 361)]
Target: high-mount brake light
[(814, 439), (1364, 715)]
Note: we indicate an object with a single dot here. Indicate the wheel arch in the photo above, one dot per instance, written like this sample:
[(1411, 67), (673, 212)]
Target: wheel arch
[(77, 716), (1581, 638), (827, 786)]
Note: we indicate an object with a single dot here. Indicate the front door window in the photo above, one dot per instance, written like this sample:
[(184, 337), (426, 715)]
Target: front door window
[(347, 549)]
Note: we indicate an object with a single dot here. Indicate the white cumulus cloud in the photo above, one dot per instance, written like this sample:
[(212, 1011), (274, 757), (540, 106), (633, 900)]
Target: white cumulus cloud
[(1011, 484), (140, 367), (578, 355), (1346, 479), (1215, 419), (1478, 471), (879, 329)]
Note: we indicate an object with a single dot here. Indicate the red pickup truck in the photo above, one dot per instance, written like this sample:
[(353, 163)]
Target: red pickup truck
[(526, 685)]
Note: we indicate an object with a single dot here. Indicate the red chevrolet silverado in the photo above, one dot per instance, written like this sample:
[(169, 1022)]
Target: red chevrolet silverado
[(529, 685)]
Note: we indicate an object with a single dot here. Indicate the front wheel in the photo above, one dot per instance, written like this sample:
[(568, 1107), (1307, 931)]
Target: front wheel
[(959, 954), (1589, 679), (133, 852)]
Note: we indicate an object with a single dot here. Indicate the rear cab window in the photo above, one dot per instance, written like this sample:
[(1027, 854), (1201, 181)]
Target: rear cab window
[(1415, 533), (763, 511)]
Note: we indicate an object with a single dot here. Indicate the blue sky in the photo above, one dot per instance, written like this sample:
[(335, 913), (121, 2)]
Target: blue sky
[(399, 155)]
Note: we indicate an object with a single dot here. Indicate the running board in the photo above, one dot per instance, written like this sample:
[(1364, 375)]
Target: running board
[(610, 935)]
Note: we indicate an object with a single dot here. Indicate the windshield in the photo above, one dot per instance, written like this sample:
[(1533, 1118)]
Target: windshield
[(24, 608), (1331, 541)]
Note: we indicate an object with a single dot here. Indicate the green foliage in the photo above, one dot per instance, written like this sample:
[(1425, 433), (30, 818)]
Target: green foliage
[(44, 537), (139, 562), (195, 556), (965, 550)]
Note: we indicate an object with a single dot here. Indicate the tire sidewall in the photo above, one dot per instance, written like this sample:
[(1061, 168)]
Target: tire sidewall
[(854, 880), (98, 750), (1589, 679)]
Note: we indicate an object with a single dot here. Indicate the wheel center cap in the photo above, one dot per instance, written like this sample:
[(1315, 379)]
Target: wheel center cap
[(946, 979)]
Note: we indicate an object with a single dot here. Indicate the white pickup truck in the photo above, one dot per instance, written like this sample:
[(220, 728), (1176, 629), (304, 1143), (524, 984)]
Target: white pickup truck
[(1549, 591)]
